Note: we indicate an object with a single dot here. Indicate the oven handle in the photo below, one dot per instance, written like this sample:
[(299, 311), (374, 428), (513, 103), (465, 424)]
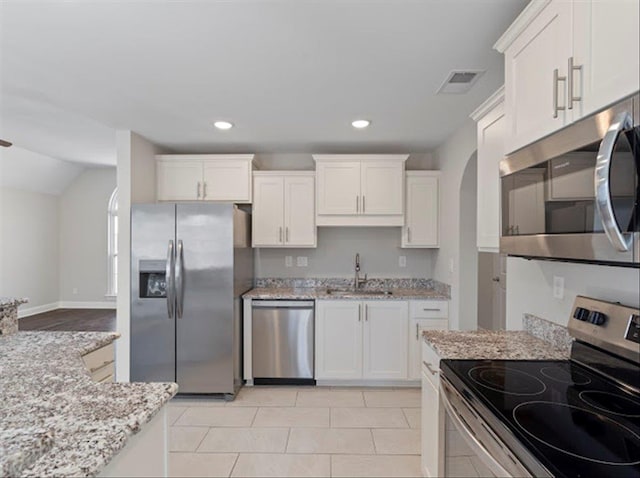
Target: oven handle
[(601, 183), (471, 439)]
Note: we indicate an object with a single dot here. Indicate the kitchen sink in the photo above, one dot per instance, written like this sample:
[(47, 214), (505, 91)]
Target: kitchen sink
[(343, 292)]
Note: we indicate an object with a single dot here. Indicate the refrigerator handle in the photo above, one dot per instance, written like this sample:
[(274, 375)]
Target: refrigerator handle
[(170, 281), (179, 280)]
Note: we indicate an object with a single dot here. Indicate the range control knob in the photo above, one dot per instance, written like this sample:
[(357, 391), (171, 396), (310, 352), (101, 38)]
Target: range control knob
[(597, 318), (581, 313)]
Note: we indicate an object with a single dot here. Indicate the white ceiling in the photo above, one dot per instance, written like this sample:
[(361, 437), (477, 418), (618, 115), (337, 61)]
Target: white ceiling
[(291, 74)]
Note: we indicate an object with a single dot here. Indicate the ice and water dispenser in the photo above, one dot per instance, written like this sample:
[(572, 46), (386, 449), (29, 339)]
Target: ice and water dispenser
[(153, 279)]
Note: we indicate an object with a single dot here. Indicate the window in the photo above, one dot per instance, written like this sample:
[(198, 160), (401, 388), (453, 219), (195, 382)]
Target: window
[(112, 245)]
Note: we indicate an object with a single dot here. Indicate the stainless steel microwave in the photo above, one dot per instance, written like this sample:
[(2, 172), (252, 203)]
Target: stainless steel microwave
[(575, 195)]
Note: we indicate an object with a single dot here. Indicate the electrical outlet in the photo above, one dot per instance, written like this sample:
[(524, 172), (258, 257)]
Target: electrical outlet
[(402, 261), (288, 261), (302, 261), (558, 287), (451, 266), (75, 290)]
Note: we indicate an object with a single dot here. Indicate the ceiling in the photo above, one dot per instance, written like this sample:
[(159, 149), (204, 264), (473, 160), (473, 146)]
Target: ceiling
[(290, 74)]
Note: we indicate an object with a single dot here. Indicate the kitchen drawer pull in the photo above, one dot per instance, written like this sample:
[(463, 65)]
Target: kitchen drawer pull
[(95, 369), (204, 190), (198, 190), (431, 309), (364, 208), (570, 96), (557, 79), (428, 365), (417, 329), (357, 204), (359, 312)]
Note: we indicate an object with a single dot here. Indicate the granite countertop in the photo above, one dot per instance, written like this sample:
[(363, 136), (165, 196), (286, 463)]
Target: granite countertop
[(320, 293), (56, 421), (11, 302), (489, 345)]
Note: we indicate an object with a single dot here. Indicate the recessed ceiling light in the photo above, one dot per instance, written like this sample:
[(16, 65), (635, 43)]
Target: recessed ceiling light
[(360, 123), (223, 125)]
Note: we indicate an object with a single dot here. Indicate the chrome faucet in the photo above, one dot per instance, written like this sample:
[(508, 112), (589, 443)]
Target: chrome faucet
[(358, 282)]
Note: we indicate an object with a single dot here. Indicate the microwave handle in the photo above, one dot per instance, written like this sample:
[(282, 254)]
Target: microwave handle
[(601, 182)]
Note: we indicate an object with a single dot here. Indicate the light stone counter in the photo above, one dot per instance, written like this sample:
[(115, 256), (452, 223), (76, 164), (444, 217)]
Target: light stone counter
[(55, 420)]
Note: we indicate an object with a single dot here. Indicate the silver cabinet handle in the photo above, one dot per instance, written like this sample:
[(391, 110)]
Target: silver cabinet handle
[(570, 69), (431, 310), (364, 207), (286, 229), (417, 327), (204, 190), (180, 279), (557, 79), (198, 191), (357, 204), (280, 234), (408, 234), (601, 179), (359, 312), (169, 280), (366, 312), (104, 364), (428, 365), (496, 279)]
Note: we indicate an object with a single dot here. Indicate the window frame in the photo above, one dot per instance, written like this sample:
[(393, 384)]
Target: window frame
[(112, 245)]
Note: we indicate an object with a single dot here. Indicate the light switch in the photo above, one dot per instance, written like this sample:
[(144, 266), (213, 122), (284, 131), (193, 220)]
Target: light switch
[(288, 261), (302, 261), (402, 261)]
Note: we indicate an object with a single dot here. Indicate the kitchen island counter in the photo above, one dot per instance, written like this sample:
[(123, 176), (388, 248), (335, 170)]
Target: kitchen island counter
[(56, 420)]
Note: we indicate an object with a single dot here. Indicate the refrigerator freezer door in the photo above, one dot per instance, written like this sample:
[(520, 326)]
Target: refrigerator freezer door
[(152, 321), (204, 328)]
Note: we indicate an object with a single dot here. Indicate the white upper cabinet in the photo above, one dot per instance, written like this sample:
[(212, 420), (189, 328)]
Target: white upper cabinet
[(422, 210), (535, 76), (360, 190), (565, 59), (283, 209), (179, 180), (204, 177), (491, 135), (607, 49)]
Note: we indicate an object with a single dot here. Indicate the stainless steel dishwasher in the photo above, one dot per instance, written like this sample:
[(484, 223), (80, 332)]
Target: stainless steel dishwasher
[(282, 341)]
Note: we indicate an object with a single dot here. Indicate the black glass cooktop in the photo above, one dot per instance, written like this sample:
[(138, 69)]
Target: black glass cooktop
[(573, 421)]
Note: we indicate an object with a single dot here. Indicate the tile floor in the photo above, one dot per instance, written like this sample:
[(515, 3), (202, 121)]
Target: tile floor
[(298, 431)]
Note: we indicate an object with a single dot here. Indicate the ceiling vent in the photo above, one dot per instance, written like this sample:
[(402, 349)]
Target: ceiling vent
[(460, 81)]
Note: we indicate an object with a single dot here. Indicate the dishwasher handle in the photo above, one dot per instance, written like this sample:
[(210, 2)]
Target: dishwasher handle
[(282, 304)]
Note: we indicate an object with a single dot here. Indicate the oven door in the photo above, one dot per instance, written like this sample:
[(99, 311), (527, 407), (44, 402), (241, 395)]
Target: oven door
[(574, 195), (471, 447)]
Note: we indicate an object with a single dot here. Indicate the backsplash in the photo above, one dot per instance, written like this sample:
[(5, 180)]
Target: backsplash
[(338, 282), (556, 335)]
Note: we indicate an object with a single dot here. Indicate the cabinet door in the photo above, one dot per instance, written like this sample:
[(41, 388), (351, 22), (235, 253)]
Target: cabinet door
[(179, 180), (338, 187), (227, 180), (338, 339), (416, 326), (299, 211), (268, 211), (382, 187), (491, 136), (432, 421), (607, 47), (422, 212), (530, 61), (385, 339)]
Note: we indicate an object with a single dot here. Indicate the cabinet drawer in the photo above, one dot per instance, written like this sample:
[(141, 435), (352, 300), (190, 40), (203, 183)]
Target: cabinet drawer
[(98, 359), (432, 359), (103, 373), (426, 309)]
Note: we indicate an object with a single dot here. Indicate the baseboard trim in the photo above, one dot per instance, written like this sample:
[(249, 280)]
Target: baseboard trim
[(369, 383), (37, 310), (86, 305)]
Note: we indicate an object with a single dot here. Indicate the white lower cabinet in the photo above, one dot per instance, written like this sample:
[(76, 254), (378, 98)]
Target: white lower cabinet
[(432, 451), (361, 340)]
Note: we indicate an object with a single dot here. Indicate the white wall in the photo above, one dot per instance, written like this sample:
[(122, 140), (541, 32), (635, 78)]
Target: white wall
[(136, 173), (530, 288), (379, 250), (29, 235), (451, 158), (83, 236)]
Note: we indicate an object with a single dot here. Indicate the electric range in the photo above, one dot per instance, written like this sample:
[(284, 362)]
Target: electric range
[(563, 418)]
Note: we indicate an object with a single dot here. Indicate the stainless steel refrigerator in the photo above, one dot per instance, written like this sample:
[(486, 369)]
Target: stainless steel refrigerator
[(190, 264)]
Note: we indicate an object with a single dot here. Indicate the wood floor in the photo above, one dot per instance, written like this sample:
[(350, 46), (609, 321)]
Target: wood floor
[(88, 320)]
